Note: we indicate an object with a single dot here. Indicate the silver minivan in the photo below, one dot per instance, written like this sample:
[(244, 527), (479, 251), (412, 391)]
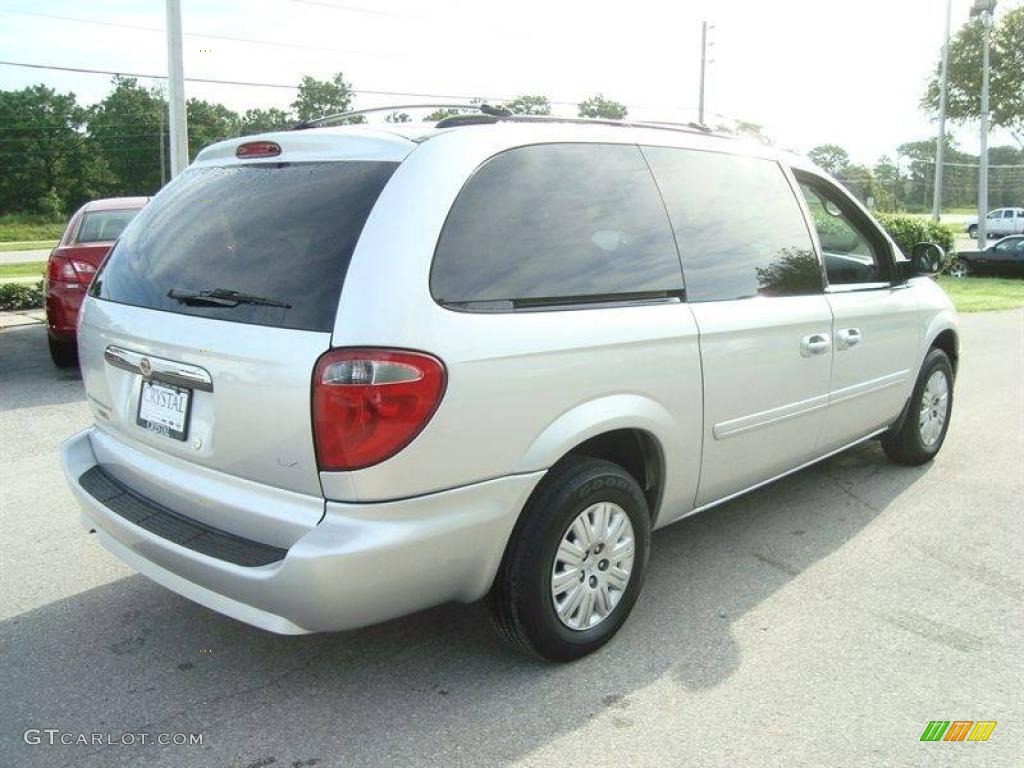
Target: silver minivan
[(343, 374)]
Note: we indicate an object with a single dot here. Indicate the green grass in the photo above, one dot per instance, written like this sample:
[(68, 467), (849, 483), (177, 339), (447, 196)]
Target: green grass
[(20, 227), (22, 269), (28, 245), (981, 294)]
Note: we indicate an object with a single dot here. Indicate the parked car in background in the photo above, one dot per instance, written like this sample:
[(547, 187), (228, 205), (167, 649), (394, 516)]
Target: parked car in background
[(86, 240), (1000, 222), (395, 366), (1005, 257)]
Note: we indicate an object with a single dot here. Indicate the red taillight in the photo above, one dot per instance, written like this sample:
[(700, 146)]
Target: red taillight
[(258, 149), (368, 404), (61, 269)]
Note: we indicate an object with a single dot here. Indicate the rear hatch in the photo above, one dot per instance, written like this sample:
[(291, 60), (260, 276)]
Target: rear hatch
[(203, 327)]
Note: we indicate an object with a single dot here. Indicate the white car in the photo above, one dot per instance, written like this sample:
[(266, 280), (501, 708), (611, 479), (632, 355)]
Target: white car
[(339, 375), (998, 223)]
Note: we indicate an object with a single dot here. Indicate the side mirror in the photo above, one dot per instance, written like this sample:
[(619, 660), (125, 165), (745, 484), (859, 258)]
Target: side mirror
[(925, 259)]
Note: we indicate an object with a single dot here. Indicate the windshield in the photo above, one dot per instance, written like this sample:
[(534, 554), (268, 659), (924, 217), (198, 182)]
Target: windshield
[(283, 230)]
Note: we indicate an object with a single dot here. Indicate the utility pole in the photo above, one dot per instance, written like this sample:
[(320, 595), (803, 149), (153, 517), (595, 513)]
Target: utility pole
[(703, 69), (160, 140), (984, 9), (177, 119), (940, 148)]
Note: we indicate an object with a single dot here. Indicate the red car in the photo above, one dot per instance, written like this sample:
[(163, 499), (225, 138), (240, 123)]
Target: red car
[(82, 248)]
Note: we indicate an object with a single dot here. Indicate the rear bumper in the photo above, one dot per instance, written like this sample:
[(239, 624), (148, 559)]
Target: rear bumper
[(362, 564)]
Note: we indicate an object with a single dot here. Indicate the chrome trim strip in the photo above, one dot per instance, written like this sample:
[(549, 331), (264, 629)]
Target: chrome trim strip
[(867, 387), (755, 486), (733, 427), (161, 369)]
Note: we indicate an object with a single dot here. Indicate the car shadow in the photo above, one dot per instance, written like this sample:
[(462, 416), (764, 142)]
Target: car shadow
[(435, 687), (23, 356)]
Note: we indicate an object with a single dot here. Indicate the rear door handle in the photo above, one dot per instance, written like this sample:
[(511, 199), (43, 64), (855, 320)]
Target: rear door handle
[(847, 337), (815, 344)]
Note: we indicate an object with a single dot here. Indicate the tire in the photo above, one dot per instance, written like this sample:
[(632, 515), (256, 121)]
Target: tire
[(919, 438), (522, 601), (973, 230), (63, 353), (959, 268)]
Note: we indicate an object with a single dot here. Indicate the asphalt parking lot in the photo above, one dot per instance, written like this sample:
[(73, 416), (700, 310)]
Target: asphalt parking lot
[(821, 621)]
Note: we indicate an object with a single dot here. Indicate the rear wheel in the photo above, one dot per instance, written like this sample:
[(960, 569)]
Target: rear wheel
[(959, 268), (63, 353), (923, 430), (575, 563)]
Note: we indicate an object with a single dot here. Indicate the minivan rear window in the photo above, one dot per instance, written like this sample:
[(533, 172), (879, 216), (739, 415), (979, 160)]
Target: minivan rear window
[(277, 236)]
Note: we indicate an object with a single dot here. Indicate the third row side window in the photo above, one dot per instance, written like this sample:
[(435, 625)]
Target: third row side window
[(557, 222)]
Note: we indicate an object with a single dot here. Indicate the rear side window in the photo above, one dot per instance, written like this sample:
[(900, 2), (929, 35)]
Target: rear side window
[(740, 229), (281, 232), (103, 226), (556, 223)]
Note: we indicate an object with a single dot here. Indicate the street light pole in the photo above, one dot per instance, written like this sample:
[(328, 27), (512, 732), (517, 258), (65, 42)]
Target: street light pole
[(703, 69), (940, 147), (983, 160), (984, 9), (177, 119)]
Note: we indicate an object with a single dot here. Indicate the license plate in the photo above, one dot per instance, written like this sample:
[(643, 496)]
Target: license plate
[(164, 409)]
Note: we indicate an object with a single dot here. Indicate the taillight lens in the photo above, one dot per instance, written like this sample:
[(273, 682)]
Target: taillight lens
[(64, 270), (368, 404)]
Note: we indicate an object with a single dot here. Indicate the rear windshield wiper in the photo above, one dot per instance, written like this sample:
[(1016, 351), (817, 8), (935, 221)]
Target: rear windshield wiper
[(223, 297)]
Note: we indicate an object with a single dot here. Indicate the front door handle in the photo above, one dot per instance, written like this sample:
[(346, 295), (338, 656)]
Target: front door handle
[(815, 344), (847, 337)]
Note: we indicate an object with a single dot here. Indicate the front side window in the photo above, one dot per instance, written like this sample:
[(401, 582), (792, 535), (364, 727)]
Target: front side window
[(740, 229), (852, 250), (104, 226), (1010, 245), (556, 223)]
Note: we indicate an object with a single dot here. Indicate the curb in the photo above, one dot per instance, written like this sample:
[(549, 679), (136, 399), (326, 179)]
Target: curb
[(21, 317)]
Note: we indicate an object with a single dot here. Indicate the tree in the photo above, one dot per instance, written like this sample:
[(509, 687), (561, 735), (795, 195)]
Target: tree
[(599, 106), (209, 123), (441, 114), (887, 184), (265, 120), (125, 132), (397, 117), (1006, 83), (529, 105), (317, 98), (44, 167), (830, 157)]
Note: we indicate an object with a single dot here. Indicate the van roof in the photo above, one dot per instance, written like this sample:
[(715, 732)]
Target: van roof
[(394, 141)]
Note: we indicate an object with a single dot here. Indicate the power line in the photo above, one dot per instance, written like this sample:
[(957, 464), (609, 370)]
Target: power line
[(354, 9), (359, 91), (206, 35)]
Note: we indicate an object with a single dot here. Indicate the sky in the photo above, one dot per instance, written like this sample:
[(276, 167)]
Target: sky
[(810, 71)]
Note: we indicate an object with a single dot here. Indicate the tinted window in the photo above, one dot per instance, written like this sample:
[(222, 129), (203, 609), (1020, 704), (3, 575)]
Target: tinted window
[(849, 246), (740, 229), (100, 226), (556, 221), (284, 232)]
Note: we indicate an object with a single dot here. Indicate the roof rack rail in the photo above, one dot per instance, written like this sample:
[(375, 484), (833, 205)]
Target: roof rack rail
[(479, 114), (340, 117)]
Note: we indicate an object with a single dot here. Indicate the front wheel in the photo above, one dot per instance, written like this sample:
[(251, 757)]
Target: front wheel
[(973, 230), (959, 268), (923, 430), (575, 563)]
